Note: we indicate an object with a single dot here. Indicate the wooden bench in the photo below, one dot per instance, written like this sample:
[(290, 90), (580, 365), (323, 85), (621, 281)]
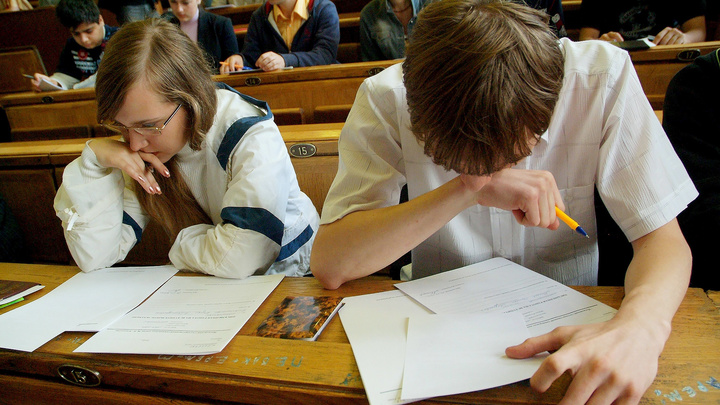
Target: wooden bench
[(296, 91), (14, 63), (30, 173), (658, 65)]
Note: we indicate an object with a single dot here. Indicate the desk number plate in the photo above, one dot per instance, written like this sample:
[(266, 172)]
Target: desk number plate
[(302, 150), (78, 375)]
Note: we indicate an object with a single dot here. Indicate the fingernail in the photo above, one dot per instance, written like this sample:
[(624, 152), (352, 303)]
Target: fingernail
[(157, 188), (141, 178), (167, 173)]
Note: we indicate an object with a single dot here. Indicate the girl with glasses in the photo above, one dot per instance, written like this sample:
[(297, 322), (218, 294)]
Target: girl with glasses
[(203, 160)]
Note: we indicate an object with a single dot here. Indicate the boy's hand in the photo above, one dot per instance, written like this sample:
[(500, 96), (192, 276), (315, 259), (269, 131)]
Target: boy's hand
[(531, 195), (670, 36), (612, 362), (232, 64), (38, 78), (270, 61), (611, 36), (115, 154)]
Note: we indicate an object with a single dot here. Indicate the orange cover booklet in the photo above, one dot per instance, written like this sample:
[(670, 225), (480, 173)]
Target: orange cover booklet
[(299, 318)]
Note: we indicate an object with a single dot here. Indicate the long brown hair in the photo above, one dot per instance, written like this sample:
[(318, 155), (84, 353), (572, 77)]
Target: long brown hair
[(160, 54), (482, 80)]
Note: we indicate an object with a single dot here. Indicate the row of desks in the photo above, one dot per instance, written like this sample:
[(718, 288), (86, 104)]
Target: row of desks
[(256, 370), (311, 87)]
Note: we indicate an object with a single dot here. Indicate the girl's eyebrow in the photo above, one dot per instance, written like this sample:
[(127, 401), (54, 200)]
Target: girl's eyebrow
[(139, 122)]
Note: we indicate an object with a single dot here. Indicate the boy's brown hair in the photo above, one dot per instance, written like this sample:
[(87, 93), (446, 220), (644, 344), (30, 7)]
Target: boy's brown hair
[(482, 80), (158, 53)]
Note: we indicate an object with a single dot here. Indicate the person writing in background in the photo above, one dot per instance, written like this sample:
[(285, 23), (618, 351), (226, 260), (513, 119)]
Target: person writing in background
[(294, 33), (83, 52), (512, 125), (622, 20), (204, 161), (14, 5), (214, 33)]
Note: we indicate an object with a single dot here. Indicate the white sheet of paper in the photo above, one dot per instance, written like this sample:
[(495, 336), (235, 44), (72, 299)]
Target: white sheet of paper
[(376, 326), (187, 316), (85, 302), (451, 354), (499, 285)]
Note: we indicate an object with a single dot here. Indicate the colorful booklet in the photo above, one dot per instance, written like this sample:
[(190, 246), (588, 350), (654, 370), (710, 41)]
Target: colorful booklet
[(11, 290), (300, 318)]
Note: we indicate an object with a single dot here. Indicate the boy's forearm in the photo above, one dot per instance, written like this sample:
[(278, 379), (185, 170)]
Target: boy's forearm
[(657, 278), (364, 242)]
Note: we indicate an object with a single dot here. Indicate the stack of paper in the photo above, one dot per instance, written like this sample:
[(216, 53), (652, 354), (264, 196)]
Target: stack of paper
[(479, 310)]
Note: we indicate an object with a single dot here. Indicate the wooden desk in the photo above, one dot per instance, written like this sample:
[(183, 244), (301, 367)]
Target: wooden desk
[(265, 370), (305, 88)]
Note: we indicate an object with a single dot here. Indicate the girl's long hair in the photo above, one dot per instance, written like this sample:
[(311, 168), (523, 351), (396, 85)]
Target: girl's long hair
[(158, 53)]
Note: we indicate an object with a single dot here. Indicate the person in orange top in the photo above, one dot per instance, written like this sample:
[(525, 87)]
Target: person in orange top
[(292, 33)]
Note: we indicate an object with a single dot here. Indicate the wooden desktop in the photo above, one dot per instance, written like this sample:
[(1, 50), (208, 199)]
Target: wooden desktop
[(266, 370)]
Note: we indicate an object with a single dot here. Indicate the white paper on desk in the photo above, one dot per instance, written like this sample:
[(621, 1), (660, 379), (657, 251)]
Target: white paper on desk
[(452, 354), (186, 316), (85, 302), (376, 326), (499, 285), (45, 85)]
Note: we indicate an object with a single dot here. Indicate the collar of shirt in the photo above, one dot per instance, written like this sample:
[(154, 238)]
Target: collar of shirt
[(289, 25)]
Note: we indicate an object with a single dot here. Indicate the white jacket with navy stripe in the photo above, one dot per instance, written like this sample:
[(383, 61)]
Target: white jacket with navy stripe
[(243, 179)]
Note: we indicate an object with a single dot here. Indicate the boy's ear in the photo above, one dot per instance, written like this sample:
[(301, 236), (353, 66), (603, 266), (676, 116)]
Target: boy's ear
[(101, 22)]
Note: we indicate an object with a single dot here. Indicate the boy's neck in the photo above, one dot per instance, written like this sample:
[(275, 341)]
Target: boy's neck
[(287, 7)]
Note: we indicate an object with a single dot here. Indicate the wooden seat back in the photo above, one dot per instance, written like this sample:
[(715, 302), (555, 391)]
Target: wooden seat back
[(16, 61)]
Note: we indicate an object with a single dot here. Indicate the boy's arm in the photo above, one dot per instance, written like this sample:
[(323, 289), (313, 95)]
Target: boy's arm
[(366, 241), (616, 361), (694, 29)]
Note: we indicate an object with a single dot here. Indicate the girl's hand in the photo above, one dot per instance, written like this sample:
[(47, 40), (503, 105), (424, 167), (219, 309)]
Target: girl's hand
[(139, 166)]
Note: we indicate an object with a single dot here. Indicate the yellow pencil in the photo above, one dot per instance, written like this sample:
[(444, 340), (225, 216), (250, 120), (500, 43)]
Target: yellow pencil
[(570, 222)]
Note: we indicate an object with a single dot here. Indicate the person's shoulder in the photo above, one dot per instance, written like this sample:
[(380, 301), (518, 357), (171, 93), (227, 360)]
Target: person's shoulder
[(373, 7), (214, 18), (389, 80), (322, 6), (591, 56), (110, 30)]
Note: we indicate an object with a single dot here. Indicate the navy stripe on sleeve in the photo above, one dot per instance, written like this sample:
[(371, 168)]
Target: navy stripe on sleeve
[(255, 219), (292, 247), (238, 129), (128, 220)]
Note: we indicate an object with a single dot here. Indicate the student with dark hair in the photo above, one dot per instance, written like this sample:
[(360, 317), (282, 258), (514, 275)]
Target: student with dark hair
[(204, 161), (295, 33), (690, 120), (492, 123), (623, 20), (214, 33), (83, 52)]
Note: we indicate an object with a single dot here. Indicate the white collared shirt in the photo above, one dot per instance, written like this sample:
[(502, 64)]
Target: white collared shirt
[(603, 133)]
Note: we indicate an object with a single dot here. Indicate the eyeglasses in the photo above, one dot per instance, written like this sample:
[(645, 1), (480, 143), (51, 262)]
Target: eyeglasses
[(144, 131)]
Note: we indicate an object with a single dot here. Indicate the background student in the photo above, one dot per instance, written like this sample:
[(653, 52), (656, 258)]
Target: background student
[(292, 33), (214, 33), (690, 120), (511, 125), (204, 161), (385, 26), (83, 52), (622, 20)]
